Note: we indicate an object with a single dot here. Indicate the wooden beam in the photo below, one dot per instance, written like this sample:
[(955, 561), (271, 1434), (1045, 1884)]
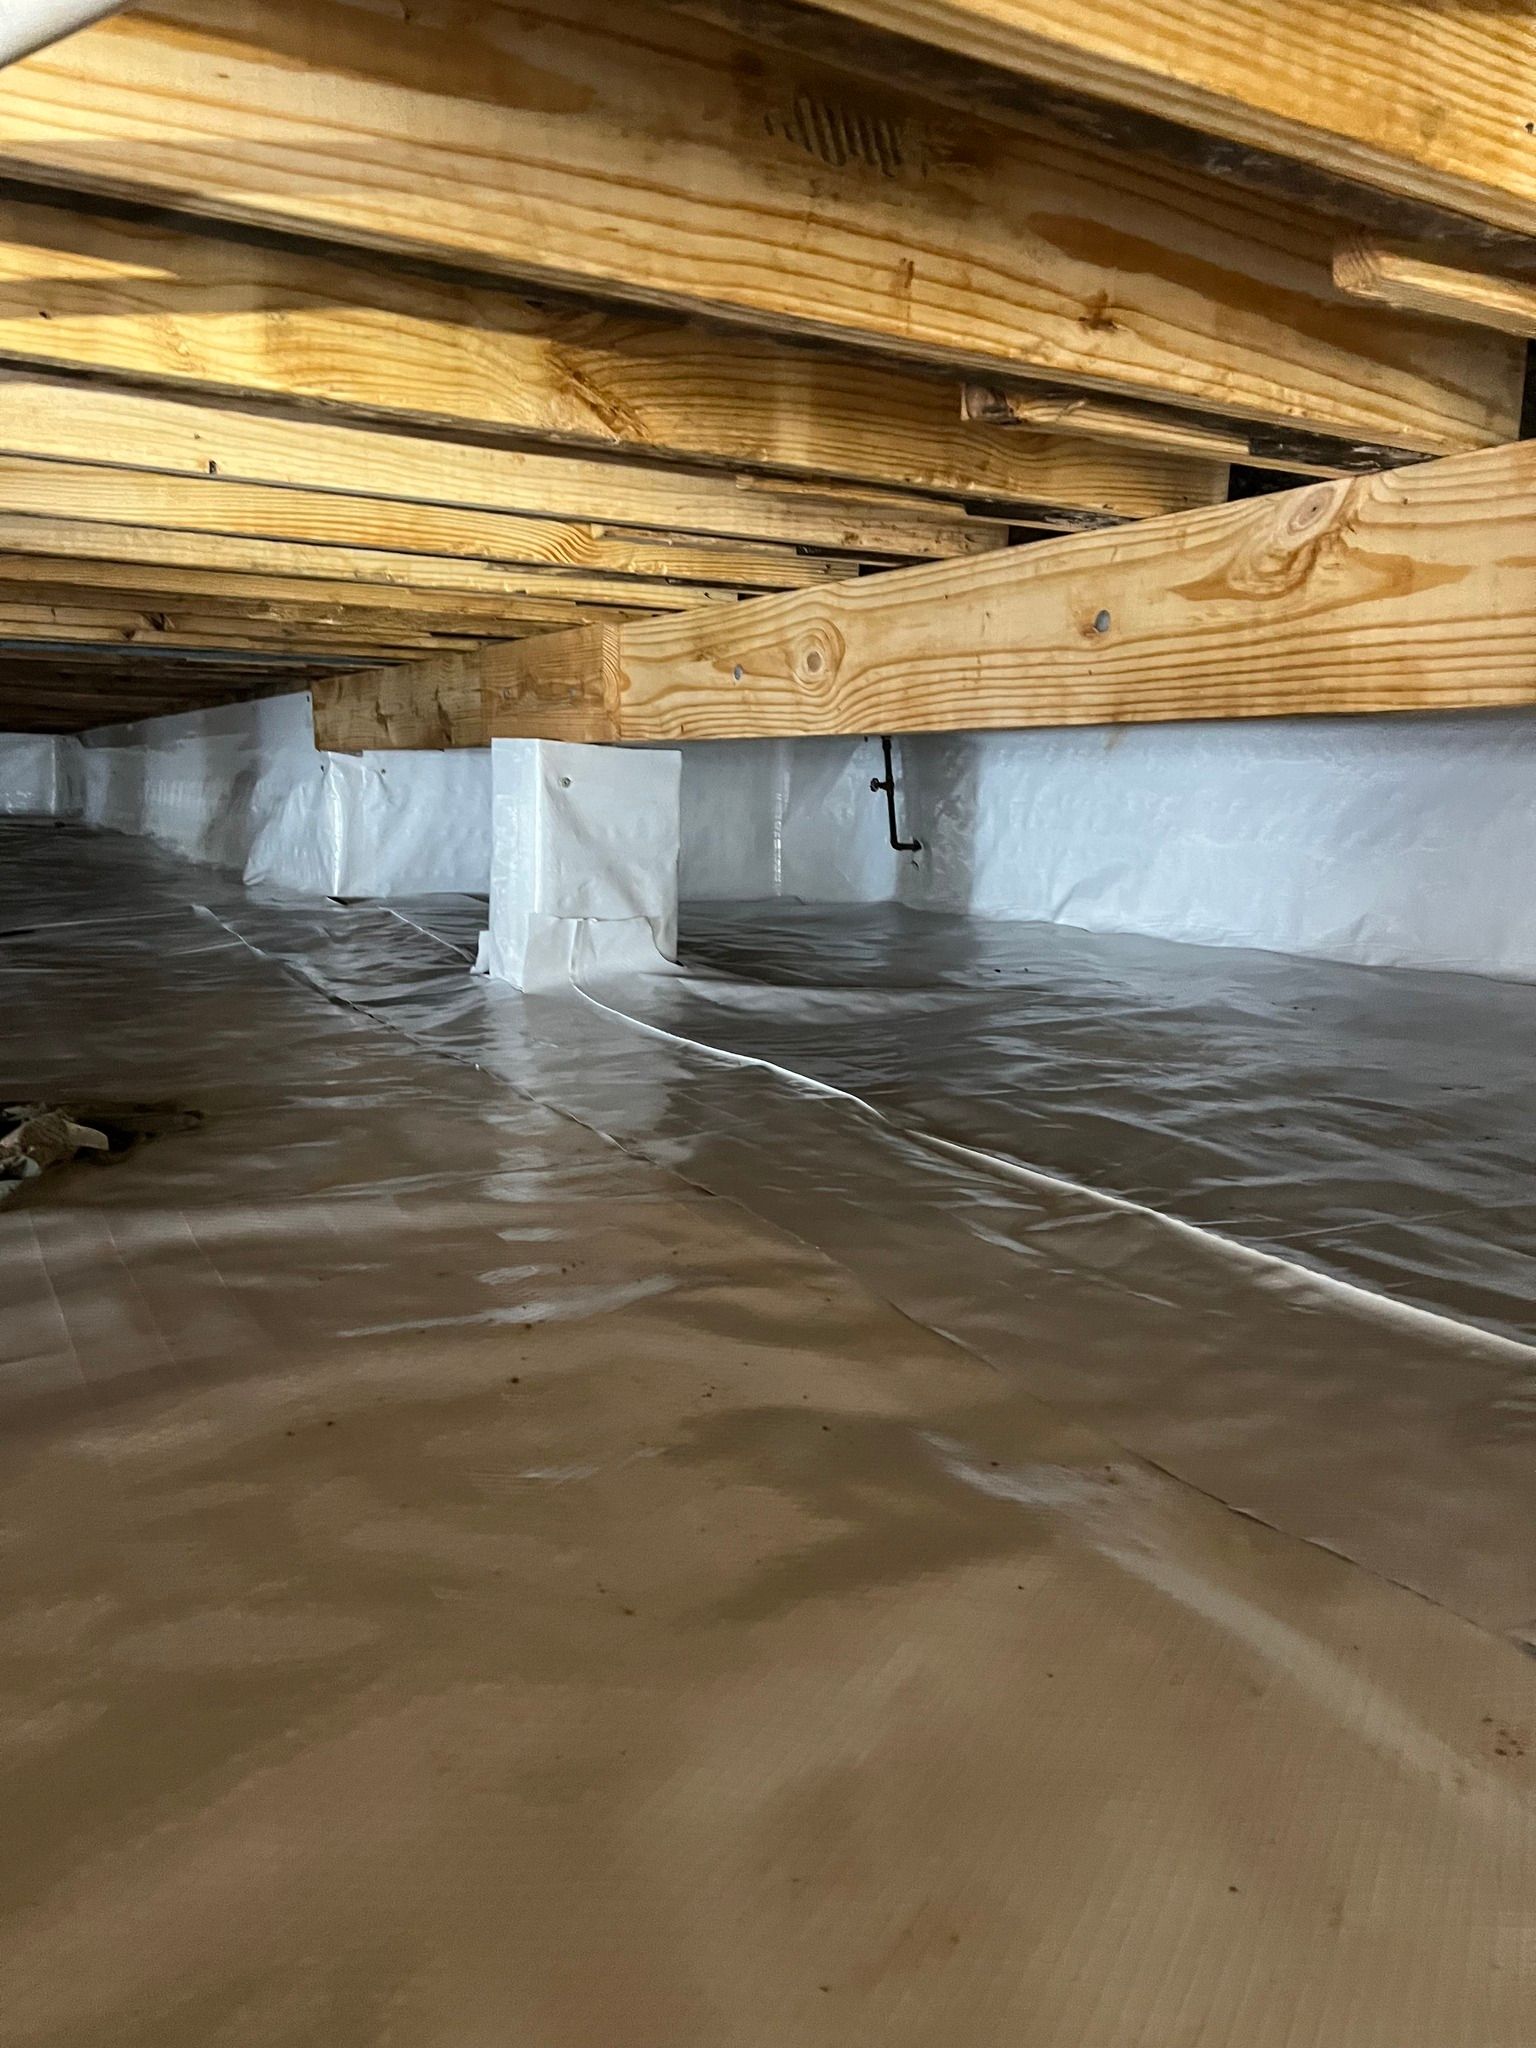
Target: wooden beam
[(215, 318), (1419, 281), (1421, 100), (754, 187), (91, 424), (1412, 590), (432, 705)]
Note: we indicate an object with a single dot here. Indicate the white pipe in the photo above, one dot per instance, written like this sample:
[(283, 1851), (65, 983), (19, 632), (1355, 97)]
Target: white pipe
[(28, 25)]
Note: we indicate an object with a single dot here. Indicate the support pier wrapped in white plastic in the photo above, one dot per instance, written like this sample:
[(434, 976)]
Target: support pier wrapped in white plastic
[(584, 859)]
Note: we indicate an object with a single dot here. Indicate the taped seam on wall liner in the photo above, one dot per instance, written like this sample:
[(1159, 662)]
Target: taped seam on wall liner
[(785, 818), (34, 780)]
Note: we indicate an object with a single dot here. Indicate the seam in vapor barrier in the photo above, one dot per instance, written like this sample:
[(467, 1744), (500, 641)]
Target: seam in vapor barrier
[(1506, 1350), (1406, 1315)]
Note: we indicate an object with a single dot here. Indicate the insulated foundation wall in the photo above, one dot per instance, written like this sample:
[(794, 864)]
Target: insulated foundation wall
[(243, 787), (785, 818), (1388, 841), (38, 776)]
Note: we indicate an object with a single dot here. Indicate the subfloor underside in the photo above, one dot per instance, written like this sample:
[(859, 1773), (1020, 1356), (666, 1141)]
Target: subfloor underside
[(916, 1484)]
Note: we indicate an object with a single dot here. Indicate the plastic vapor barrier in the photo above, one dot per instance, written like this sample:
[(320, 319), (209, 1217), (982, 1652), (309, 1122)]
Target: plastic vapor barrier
[(785, 818), (520, 1528), (585, 854), (1384, 841), (1388, 841), (243, 787), (37, 776)]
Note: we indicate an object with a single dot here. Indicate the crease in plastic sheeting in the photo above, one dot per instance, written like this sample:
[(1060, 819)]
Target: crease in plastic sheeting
[(1217, 1420), (539, 954), (1099, 1510), (1392, 1443), (680, 1693), (1369, 1121), (606, 996)]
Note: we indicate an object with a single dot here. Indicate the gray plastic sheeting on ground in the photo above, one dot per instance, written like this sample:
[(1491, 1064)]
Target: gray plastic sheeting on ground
[(465, 1582)]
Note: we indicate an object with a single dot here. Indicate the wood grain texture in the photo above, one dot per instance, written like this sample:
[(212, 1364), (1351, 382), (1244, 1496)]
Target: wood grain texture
[(1429, 99), (252, 590), (74, 625), (362, 570), (637, 153), (183, 438), (222, 319), (572, 694), (50, 696), (1101, 419), (99, 613), (200, 504), (1395, 274), (393, 707), (1408, 591)]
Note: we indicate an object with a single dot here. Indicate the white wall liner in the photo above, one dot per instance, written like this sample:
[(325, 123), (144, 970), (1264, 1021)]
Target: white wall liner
[(1394, 841), (37, 776), (786, 818), (243, 786)]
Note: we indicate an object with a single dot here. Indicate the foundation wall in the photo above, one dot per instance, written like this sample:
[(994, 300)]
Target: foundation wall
[(1386, 841), (244, 787)]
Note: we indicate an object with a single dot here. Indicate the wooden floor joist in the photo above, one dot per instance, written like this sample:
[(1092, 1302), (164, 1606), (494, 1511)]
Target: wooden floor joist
[(69, 694), (1411, 590), (215, 319), (69, 423), (178, 573), (100, 494), (1418, 99), (1393, 274), (54, 626), (96, 662), (540, 366), (660, 161), (366, 573)]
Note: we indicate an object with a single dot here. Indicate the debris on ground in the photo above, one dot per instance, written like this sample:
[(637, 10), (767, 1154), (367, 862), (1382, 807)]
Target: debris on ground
[(35, 1136)]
